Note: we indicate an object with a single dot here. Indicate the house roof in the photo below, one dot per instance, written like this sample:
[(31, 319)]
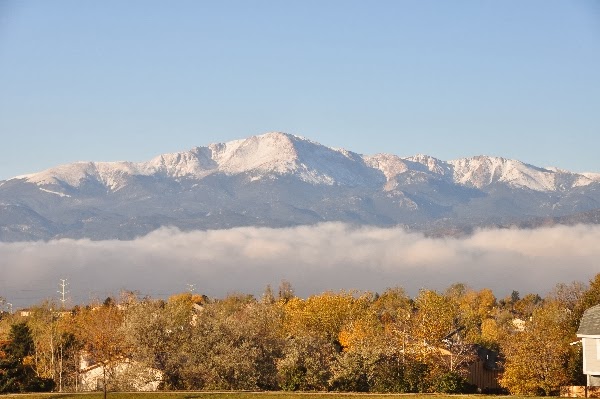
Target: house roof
[(590, 322)]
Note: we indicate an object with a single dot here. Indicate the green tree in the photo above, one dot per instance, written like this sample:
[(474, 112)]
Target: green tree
[(234, 345), (156, 331), (16, 369), (305, 364)]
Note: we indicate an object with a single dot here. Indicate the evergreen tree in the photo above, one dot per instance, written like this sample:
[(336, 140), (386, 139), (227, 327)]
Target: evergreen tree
[(16, 368)]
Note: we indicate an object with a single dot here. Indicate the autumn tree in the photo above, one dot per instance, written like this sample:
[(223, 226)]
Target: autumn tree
[(436, 338), (286, 292), (572, 298), (42, 324), (99, 330), (393, 307), (588, 298), (56, 348), (372, 357), (67, 355), (526, 306), (373, 354), (345, 341), (4, 307), (537, 356), (268, 297), (312, 329), (360, 340), (323, 315), (475, 308)]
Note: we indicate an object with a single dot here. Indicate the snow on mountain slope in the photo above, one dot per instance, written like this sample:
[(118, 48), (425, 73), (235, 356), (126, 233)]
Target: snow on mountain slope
[(110, 174), (593, 177), (274, 154), (481, 171), (268, 153), (197, 162), (431, 164), (390, 165), (263, 156), (280, 154), (565, 180)]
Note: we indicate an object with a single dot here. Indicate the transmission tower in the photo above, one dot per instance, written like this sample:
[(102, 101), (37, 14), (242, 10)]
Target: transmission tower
[(63, 292)]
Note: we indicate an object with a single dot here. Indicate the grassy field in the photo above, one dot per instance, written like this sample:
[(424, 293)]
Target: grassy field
[(237, 395)]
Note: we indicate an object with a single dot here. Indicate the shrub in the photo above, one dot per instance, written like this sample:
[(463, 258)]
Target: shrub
[(453, 382)]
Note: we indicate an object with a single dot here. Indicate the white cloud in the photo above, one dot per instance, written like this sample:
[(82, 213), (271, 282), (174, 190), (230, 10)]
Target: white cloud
[(329, 256)]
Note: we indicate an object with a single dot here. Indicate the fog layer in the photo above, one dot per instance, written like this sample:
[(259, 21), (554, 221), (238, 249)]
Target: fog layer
[(314, 259)]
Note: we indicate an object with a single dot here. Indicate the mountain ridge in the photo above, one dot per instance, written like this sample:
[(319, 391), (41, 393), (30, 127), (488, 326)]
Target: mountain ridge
[(278, 179), (252, 155)]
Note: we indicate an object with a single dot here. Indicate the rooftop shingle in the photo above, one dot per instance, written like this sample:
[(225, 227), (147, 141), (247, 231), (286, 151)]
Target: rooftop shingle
[(590, 322)]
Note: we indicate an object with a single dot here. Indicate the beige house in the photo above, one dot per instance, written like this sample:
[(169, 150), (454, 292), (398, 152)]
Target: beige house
[(121, 374), (589, 332)]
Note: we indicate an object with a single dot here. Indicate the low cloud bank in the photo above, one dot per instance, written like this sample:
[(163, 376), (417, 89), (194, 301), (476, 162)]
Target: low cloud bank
[(314, 259)]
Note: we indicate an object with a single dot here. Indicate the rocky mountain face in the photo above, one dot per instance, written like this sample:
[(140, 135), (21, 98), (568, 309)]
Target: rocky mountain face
[(277, 180)]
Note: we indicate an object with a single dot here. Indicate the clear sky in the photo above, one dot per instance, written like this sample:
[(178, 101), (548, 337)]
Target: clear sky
[(128, 80)]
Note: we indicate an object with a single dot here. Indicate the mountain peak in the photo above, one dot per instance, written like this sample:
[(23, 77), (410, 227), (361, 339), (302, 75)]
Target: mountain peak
[(264, 154)]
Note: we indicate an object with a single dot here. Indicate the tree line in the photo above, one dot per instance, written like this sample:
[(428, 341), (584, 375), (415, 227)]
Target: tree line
[(333, 341)]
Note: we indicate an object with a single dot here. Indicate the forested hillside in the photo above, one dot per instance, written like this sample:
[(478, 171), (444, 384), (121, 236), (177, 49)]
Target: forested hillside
[(339, 341)]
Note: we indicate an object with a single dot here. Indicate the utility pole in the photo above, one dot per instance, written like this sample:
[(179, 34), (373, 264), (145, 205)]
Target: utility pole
[(63, 292)]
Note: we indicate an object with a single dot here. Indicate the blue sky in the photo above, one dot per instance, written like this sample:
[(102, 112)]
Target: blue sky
[(127, 80)]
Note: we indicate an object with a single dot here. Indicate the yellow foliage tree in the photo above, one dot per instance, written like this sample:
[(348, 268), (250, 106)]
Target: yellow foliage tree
[(99, 330), (323, 315), (537, 356)]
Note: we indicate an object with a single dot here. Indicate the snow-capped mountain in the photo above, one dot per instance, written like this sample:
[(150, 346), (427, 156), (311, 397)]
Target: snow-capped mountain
[(258, 157), (277, 179)]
